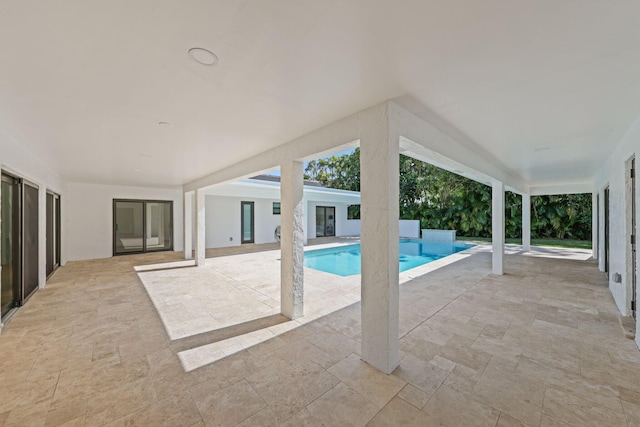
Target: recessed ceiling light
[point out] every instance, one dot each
(539, 149)
(137, 170)
(164, 124)
(203, 56)
(145, 155)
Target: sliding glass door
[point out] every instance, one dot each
(325, 221)
(53, 232)
(247, 222)
(158, 232)
(20, 250)
(128, 227)
(31, 250)
(10, 250)
(142, 226)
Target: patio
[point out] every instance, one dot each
(541, 345)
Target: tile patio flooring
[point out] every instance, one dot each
(540, 346)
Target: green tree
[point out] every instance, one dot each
(443, 200)
(341, 172)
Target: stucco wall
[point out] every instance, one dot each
(267, 221)
(351, 227)
(89, 216)
(344, 227)
(409, 228)
(223, 220)
(19, 162)
(612, 174)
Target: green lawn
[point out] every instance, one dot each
(560, 243)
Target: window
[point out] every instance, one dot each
(353, 212)
(276, 208)
(142, 226)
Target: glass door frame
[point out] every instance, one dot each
(16, 248)
(606, 230)
(144, 226)
(33, 260)
(23, 290)
(252, 239)
(325, 213)
(55, 222)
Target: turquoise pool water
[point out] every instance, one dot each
(345, 260)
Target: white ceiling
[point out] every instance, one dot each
(85, 83)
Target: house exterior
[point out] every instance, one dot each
(325, 212)
(135, 115)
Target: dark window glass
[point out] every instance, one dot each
(142, 226)
(353, 212)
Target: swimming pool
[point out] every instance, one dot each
(345, 260)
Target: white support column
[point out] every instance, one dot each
(594, 224)
(305, 216)
(379, 178)
(188, 225)
(291, 240)
(200, 227)
(526, 222)
(497, 226)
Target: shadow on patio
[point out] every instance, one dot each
(541, 345)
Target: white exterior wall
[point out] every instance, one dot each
(612, 174)
(352, 227)
(266, 221)
(19, 162)
(409, 228)
(311, 220)
(439, 236)
(344, 227)
(88, 217)
(223, 220)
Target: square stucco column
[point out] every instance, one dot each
(200, 227)
(379, 190)
(305, 217)
(497, 226)
(291, 240)
(188, 225)
(526, 222)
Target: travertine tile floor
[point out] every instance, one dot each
(538, 346)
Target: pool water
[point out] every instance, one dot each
(345, 260)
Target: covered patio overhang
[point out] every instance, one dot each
(382, 132)
(268, 187)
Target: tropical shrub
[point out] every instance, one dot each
(443, 200)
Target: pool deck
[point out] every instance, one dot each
(102, 345)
